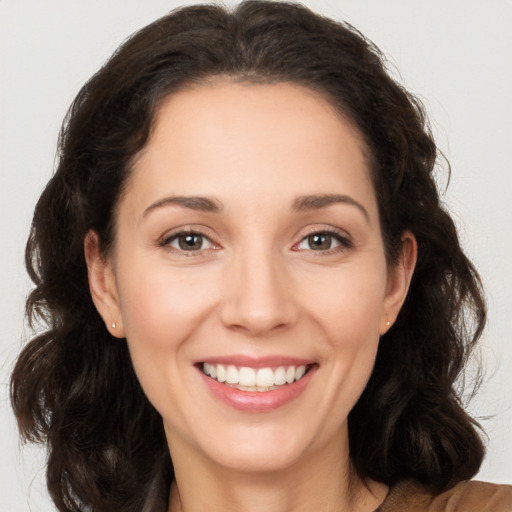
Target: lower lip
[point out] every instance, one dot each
(256, 401)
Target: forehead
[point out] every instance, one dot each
(224, 105)
(227, 135)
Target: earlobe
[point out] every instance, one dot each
(399, 281)
(102, 285)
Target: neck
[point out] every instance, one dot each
(323, 481)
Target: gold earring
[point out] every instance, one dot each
(113, 325)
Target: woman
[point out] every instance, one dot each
(250, 286)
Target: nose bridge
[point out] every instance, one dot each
(258, 291)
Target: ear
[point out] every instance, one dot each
(399, 279)
(102, 285)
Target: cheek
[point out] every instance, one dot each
(354, 335)
(349, 317)
(349, 303)
(161, 307)
(160, 303)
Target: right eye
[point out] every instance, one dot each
(188, 241)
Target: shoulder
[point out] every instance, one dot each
(467, 496)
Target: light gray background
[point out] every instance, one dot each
(456, 55)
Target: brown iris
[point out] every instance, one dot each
(190, 242)
(320, 241)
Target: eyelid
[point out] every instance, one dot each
(344, 239)
(166, 239)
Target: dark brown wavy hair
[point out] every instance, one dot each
(73, 387)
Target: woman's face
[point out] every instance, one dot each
(248, 247)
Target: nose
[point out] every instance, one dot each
(258, 294)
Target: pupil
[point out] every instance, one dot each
(190, 242)
(320, 241)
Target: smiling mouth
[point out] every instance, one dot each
(251, 379)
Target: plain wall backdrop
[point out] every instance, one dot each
(455, 55)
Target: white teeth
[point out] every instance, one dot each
(264, 377)
(280, 376)
(231, 375)
(249, 379)
(246, 377)
(211, 370)
(221, 373)
(299, 372)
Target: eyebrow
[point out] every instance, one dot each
(318, 201)
(301, 203)
(198, 203)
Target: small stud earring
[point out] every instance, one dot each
(113, 325)
(388, 323)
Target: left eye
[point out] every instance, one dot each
(320, 242)
(189, 242)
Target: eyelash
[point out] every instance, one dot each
(167, 240)
(344, 242)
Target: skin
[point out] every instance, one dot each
(256, 286)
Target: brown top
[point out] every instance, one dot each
(464, 497)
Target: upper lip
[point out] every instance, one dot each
(241, 360)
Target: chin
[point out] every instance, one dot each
(262, 460)
(255, 450)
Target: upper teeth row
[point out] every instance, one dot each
(263, 377)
